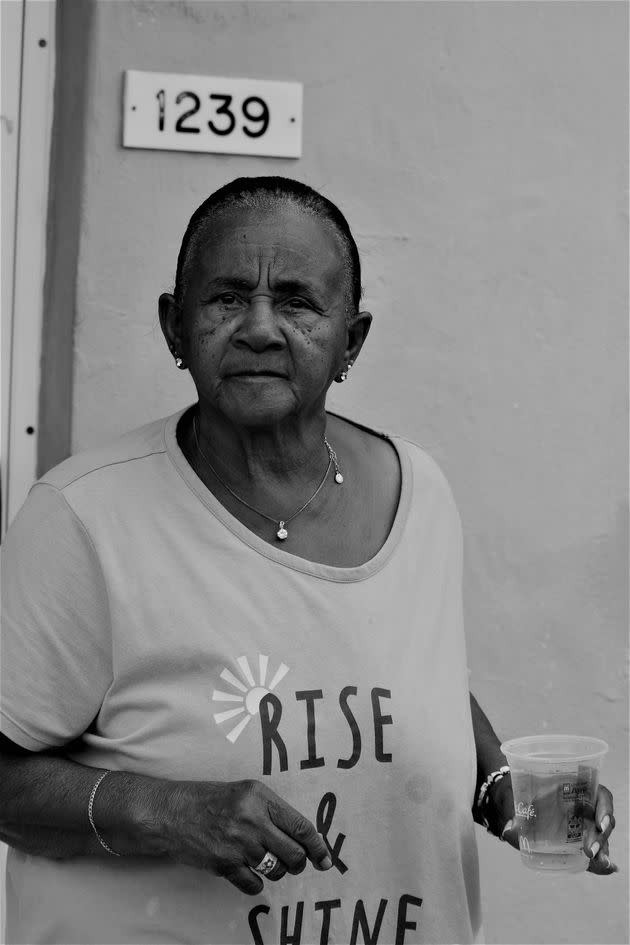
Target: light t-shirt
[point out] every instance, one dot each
(143, 619)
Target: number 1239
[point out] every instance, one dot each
(220, 115)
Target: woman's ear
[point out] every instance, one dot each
(358, 328)
(171, 322)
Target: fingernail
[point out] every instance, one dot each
(605, 824)
(507, 827)
(595, 849)
(326, 863)
(605, 861)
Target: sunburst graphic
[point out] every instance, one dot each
(248, 693)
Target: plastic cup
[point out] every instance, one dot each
(555, 780)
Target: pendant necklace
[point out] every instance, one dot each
(282, 533)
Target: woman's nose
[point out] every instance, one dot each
(259, 328)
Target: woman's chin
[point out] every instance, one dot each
(258, 411)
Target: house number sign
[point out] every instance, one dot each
(171, 112)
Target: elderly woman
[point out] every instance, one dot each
(234, 660)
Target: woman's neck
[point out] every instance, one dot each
(288, 456)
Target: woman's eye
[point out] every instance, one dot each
(298, 303)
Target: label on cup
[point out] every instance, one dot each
(525, 810)
(578, 796)
(574, 829)
(552, 807)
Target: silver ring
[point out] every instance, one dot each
(267, 864)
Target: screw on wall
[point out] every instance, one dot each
(30, 430)
(42, 43)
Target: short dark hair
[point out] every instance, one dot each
(255, 192)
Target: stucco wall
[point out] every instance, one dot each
(478, 150)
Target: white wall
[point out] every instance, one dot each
(479, 152)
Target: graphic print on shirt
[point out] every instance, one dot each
(251, 693)
(391, 920)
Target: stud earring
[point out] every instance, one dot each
(180, 363)
(343, 375)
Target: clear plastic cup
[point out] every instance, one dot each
(555, 780)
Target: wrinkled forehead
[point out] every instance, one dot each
(278, 240)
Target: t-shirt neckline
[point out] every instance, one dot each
(284, 558)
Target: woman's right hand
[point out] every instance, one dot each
(228, 827)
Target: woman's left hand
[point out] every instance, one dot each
(596, 835)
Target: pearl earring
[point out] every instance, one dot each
(343, 375)
(179, 363)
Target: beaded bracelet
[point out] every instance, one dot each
(91, 817)
(483, 790)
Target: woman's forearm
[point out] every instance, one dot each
(487, 743)
(219, 826)
(44, 808)
(499, 805)
(490, 758)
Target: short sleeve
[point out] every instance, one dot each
(55, 657)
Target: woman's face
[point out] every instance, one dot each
(263, 327)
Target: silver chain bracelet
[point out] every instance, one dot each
(91, 817)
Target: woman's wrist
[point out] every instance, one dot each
(497, 808)
(131, 812)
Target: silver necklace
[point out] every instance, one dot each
(282, 533)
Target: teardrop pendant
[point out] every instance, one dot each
(338, 478)
(282, 533)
